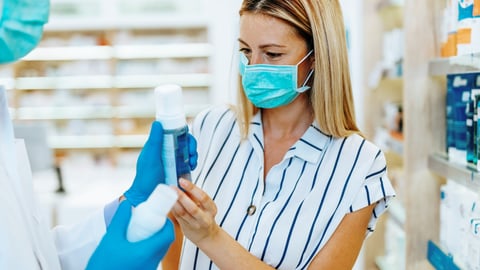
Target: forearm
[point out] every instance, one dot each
(227, 253)
(171, 261)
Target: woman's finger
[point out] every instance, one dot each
(199, 196)
(182, 215)
(192, 208)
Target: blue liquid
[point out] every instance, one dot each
(175, 155)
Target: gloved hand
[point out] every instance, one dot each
(116, 252)
(150, 171)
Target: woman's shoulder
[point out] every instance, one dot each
(214, 116)
(356, 141)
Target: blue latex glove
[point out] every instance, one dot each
(116, 252)
(192, 152)
(150, 170)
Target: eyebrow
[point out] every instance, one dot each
(265, 45)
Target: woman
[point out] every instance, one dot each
(285, 180)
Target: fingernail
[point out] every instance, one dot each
(184, 182)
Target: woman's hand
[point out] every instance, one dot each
(195, 212)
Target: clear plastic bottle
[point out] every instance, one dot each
(170, 113)
(150, 216)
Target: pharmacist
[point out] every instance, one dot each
(25, 240)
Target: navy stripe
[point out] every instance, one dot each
(258, 140)
(237, 189)
(283, 208)
(287, 244)
(204, 119)
(317, 129)
(321, 203)
(219, 152)
(368, 196)
(246, 216)
(198, 177)
(383, 188)
(376, 173)
(196, 258)
(320, 163)
(378, 154)
(265, 206)
(210, 142)
(340, 199)
(310, 144)
(225, 173)
(290, 234)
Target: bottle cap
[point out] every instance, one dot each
(169, 106)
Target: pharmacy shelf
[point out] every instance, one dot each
(107, 81)
(453, 65)
(185, 50)
(81, 142)
(121, 52)
(96, 141)
(63, 113)
(150, 81)
(162, 21)
(136, 45)
(70, 53)
(93, 112)
(64, 82)
(439, 164)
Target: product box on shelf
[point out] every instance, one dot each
(458, 96)
(460, 28)
(468, 27)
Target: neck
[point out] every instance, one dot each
(288, 121)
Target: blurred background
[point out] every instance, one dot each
(83, 102)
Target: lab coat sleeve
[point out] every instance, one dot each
(75, 244)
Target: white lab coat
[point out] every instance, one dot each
(25, 240)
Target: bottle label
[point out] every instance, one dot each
(175, 155)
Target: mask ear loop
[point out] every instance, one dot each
(305, 57)
(304, 86)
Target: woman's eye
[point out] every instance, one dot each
(273, 55)
(244, 51)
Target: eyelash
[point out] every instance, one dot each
(270, 55)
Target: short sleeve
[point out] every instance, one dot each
(377, 189)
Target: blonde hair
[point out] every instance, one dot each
(320, 23)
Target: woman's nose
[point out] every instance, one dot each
(255, 58)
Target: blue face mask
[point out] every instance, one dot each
(271, 86)
(21, 25)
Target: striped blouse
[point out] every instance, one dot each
(288, 217)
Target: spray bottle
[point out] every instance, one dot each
(169, 112)
(150, 216)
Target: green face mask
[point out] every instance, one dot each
(271, 86)
(21, 27)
